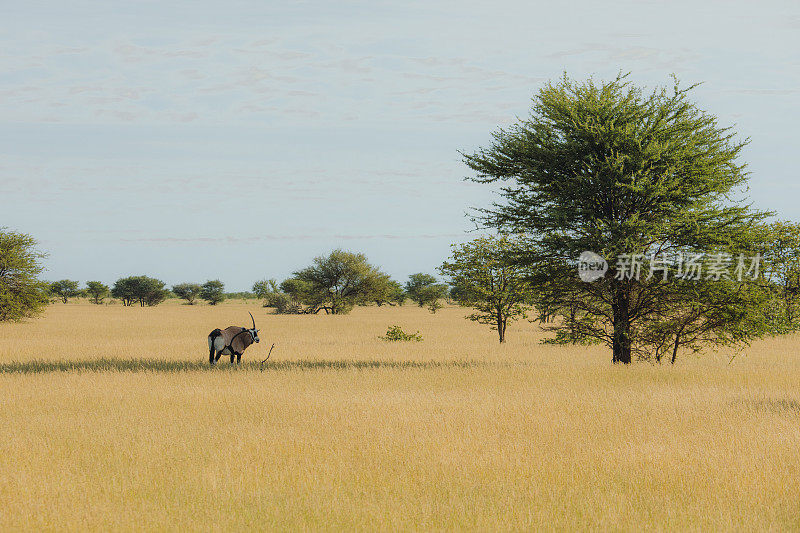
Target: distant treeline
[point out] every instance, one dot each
(334, 283)
(143, 290)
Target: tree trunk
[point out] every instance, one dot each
(675, 347)
(501, 327)
(621, 344)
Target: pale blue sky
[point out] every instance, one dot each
(196, 140)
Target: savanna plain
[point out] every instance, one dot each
(112, 420)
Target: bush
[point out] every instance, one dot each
(396, 333)
(283, 304)
(434, 306)
(241, 295)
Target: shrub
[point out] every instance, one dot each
(396, 333)
(283, 304)
(435, 306)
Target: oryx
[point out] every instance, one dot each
(232, 341)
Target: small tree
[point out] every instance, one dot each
(145, 290)
(97, 290)
(488, 280)
(779, 245)
(391, 294)
(154, 292)
(187, 291)
(423, 289)
(65, 289)
(264, 288)
(22, 294)
(337, 282)
(124, 289)
(213, 291)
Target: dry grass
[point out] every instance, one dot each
(343, 433)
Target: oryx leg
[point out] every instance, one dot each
(219, 354)
(232, 356)
(238, 359)
(211, 356)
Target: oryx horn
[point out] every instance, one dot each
(253, 319)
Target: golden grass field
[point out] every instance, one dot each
(474, 436)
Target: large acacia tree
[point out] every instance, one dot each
(606, 167)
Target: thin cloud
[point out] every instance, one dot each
(653, 57)
(300, 237)
(764, 92)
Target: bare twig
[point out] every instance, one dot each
(265, 360)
